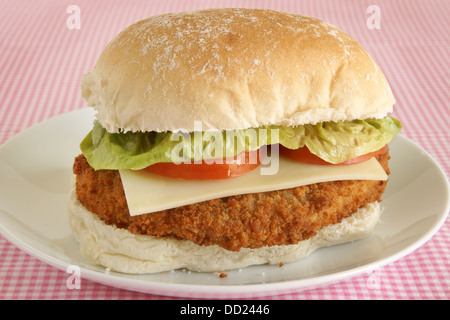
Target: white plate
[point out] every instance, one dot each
(35, 176)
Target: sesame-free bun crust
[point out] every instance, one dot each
(233, 69)
(119, 250)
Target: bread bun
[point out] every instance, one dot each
(119, 250)
(233, 69)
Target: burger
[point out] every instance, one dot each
(225, 138)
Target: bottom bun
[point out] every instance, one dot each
(119, 250)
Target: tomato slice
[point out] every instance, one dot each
(304, 155)
(234, 167)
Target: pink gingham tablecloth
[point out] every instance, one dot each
(42, 60)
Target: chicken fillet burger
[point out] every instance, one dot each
(226, 138)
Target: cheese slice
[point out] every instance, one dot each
(147, 192)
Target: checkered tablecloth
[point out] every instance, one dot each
(42, 59)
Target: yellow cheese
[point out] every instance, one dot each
(146, 192)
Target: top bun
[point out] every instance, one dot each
(233, 69)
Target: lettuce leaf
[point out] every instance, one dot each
(334, 142)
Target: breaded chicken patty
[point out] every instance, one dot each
(243, 221)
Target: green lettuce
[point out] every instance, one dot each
(334, 142)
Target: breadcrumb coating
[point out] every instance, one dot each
(254, 220)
